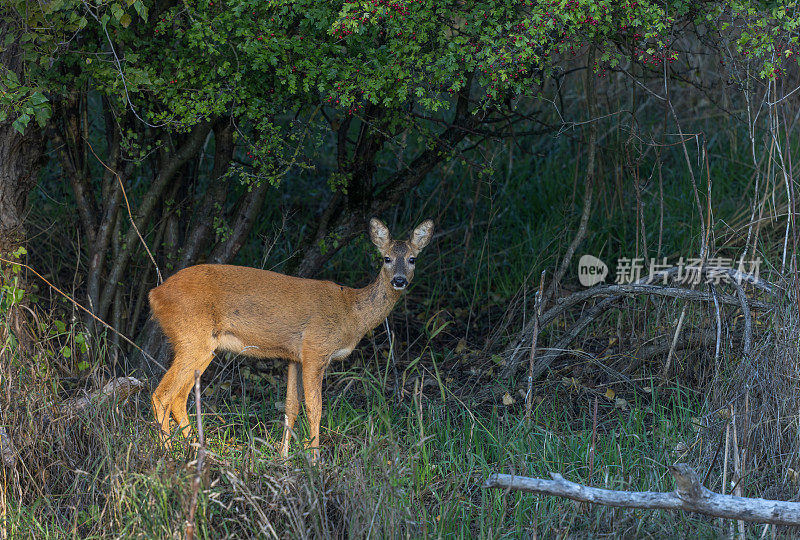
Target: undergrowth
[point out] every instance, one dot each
(392, 469)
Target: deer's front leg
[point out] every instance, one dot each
(312, 388)
(292, 406)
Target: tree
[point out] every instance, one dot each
(139, 90)
(21, 157)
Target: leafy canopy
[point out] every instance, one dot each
(175, 64)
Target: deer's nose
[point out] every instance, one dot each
(399, 282)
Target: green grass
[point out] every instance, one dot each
(413, 468)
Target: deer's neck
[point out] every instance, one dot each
(374, 302)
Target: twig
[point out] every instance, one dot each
(537, 313)
(689, 495)
(717, 363)
(737, 465)
(119, 69)
(589, 184)
(725, 458)
(594, 441)
(748, 321)
(672, 348)
(716, 455)
(201, 454)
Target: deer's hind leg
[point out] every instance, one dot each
(178, 405)
(173, 390)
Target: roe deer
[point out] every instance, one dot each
(264, 314)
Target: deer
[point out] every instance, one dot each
(208, 308)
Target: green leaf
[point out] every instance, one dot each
(21, 123)
(37, 98)
(141, 9)
(116, 11)
(66, 352)
(125, 20)
(42, 115)
(83, 365)
(60, 326)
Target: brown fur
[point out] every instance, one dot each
(264, 314)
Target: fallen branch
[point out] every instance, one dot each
(118, 389)
(554, 352)
(689, 495)
(643, 286)
(689, 338)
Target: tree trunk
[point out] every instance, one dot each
(20, 161)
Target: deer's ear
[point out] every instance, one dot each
(422, 234)
(379, 234)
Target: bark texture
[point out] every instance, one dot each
(20, 161)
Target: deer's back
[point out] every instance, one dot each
(268, 313)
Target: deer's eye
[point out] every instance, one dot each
(387, 260)
(412, 260)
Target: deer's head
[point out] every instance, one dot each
(399, 256)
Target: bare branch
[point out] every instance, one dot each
(554, 352)
(335, 223)
(146, 207)
(689, 495)
(214, 197)
(588, 183)
(615, 292)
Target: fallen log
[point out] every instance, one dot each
(689, 495)
(117, 389)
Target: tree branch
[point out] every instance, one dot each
(514, 353)
(398, 184)
(214, 197)
(171, 165)
(345, 226)
(689, 495)
(246, 214)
